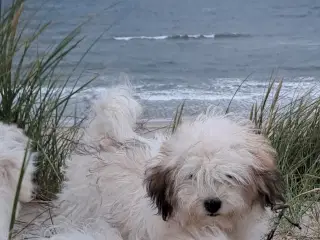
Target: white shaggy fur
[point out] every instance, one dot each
(13, 146)
(161, 188)
(92, 230)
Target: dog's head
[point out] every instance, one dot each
(213, 168)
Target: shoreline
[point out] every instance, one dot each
(148, 127)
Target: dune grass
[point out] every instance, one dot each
(294, 131)
(33, 96)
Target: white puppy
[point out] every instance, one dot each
(212, 179)
(13, 151)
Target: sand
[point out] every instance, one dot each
(148, 127)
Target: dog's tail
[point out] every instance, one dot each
(114, 115)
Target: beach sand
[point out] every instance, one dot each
(149, 127)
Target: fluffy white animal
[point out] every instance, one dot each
(213, 178)
(13, 151)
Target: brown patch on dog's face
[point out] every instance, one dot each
(159, 183)
(266, 156)
(268, 185)
(267, 188)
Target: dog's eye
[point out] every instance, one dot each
(229, 176)
(190, 176)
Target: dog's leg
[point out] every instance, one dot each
(96, 230)
(70, 236)
(204, 236)
(13, 144)
(6, 200)
(80, 236)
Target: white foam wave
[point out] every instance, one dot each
(140, 37)
(87, 96)
(190, 94)
(182, 36)
(221, 89)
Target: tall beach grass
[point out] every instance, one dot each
(294, 131)
(33, 96)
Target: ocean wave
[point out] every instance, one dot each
(302, 15)
(302, 68)
(184, 37)
(217, 90)
(220, 90)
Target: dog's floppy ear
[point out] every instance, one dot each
(159, 183)
(270, 187)
(267, 179)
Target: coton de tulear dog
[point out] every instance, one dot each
(13, 152)
(214, 178)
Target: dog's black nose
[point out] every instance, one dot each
(212, 205)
